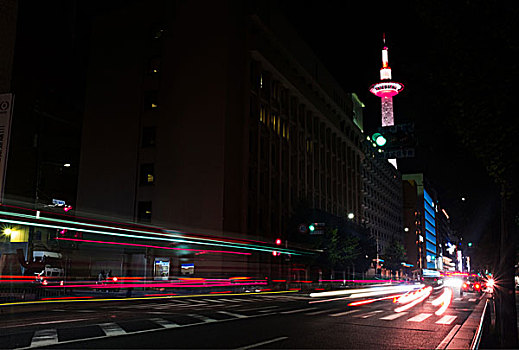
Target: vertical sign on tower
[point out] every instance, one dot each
(6, 110)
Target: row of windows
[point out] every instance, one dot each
(150, 103)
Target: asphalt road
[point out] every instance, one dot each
(232, 322)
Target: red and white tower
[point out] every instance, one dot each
(386, 89)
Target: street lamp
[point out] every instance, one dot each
(351, 216)
(406, 229)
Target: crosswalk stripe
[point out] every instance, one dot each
(317, 312)
(446, 319)
(368, 314)
(202, 318)
(419, 318)
(472, 299)
(164, 323)
(212, 300)
(298, 310)
(393, 316)
(44, 337)
(111, 329)
(458, 299)
(344, 313)
(197, 301)
(232, 314)
(231, 300)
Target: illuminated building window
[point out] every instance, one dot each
(151, 100)
(147, 174)
(148, 136)
(154, 66)
(144, 211)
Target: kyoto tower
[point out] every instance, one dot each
(386, 89)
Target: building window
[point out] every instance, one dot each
(154, 66)
(144, 211)
(147, 175)
(148, 136)
(151, 100)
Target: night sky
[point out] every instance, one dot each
(348, 40)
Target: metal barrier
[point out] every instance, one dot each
(477, 337)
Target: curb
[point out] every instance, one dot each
(465, 335)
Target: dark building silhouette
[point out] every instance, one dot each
(221, 119)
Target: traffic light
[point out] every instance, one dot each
(470, 244)
(311, 227)
(379, 139)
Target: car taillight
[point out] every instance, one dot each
(477, 286)
(114, 279)
(464, 285)
(44, 282)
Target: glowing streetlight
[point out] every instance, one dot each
(406, 229)
(351, 216)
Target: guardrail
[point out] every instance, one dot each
(477, 336)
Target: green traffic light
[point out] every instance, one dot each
(470, 244)
(311, 228)
(379, 139)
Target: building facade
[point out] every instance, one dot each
(220, 121)
(420, 219)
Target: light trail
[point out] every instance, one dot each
(424, 293)
(445, 300)
(381, 290)
(369, 301)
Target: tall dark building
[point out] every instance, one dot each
(221, 120)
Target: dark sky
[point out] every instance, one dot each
(347, 38)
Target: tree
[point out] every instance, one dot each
(340, 250)
(394, 255)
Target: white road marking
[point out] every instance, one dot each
(232, 300)
(262, 343)
(472, 299)
(198, 301)
(164, 323)
(446, 319)
(369, 314)
(344, 313)
(202, 318)
(297, 310)
(459, 299)
(233, 314)
(44, 337)
(258, 308)
(111, 329)
(393, 316)
(212, 300)
(449, 337)
(317, 312)
(419, 318)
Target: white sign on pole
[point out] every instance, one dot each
(6, 111)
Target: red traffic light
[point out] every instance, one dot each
(278, 241)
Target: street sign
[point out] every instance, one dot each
(58, 202)
(397, 153)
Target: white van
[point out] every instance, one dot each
(53, 263)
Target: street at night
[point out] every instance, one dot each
(270, 174)
(288, 321)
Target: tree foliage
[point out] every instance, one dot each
(394, 255)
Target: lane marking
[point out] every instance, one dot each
(459, 299)
(297, 310)
(318, 312)
(48, 322)
(202, 318)
(344, 313)
(446, 319)
(258, 308)
(449, 337)
(44, 337)
(112, 329)
(262, 343)
(394, 316)
(472, 299)
(164, 323)
(419, 318)
(231, 300)
(232, 314)
(369, 314)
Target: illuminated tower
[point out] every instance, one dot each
(386, 89)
